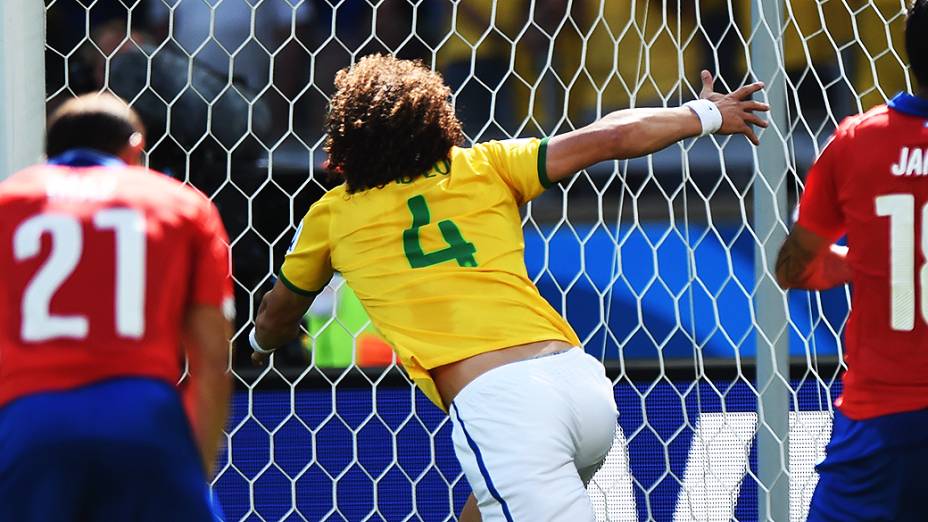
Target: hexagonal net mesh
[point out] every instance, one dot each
(661, 264)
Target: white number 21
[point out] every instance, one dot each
(901, 211)
(38, 324)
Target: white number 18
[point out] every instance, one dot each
(900, 208)
(38, 324)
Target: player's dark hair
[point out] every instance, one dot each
(916, 41)
(389, 119)
(100, 122)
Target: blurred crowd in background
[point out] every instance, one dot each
(530, 64)
(234, 92)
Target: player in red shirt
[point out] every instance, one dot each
(871, 184)
(108, 269)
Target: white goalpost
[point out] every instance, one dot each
(22, 77)
(663, 264)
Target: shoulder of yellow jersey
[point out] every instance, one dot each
(519, 163)
(334, 193)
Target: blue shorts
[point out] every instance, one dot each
(874, 469)
(115, 450)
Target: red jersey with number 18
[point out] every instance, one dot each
(871, 183)
(99, 265)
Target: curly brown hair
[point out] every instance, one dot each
(389, 119)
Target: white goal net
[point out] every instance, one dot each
(662, 263)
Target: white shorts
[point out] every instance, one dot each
(531, 434)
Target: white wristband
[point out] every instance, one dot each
(708, 113)
(253, 341)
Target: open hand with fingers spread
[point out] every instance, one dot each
(738, 109)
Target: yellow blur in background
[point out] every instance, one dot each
(601, 56)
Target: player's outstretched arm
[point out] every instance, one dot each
(636, 132)
(206, 339)
(278, 320)
(807, 260)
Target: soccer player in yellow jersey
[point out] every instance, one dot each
(428, 235)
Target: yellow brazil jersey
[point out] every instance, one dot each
(437, 260)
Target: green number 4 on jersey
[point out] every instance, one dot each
(457, 250)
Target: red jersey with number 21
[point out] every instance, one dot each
(871, 183)
(99, 265)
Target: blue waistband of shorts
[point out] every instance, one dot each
(852, 439)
